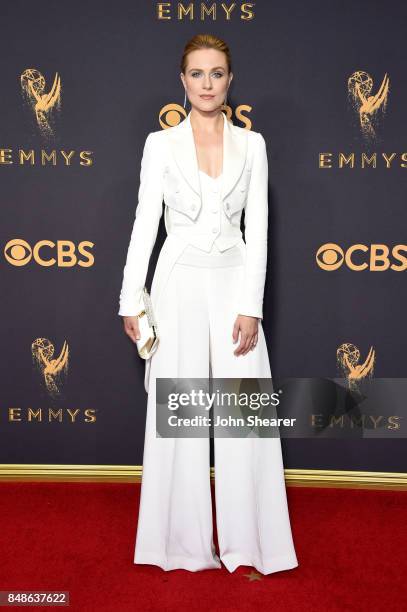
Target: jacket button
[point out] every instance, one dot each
(193, 207)
(227, 205)
(214, 230)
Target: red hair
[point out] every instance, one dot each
(205, 41)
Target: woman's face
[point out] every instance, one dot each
(206, 74)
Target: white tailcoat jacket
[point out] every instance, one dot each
(170, 173)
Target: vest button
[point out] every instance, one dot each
(214, 230)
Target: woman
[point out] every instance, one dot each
(207, 295)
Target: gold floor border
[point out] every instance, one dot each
(133, 473)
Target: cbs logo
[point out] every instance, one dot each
(172, 114)
(62, 253)
(358, 257)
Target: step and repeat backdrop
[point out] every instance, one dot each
(83, 83)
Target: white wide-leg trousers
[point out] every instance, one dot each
(175, 515)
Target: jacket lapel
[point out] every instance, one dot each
(234, 154)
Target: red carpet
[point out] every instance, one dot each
(79, 537)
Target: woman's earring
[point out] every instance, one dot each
(185, 99)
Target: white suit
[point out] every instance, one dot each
(195, 309)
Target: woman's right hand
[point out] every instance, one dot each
(131, 328)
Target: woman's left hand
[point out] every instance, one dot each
(248, 327)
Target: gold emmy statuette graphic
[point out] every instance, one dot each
(348, 356)
(42, 351)
(360, 85)
(43, 103)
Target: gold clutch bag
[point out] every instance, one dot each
(148, 341)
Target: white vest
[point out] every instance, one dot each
(212, 225)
